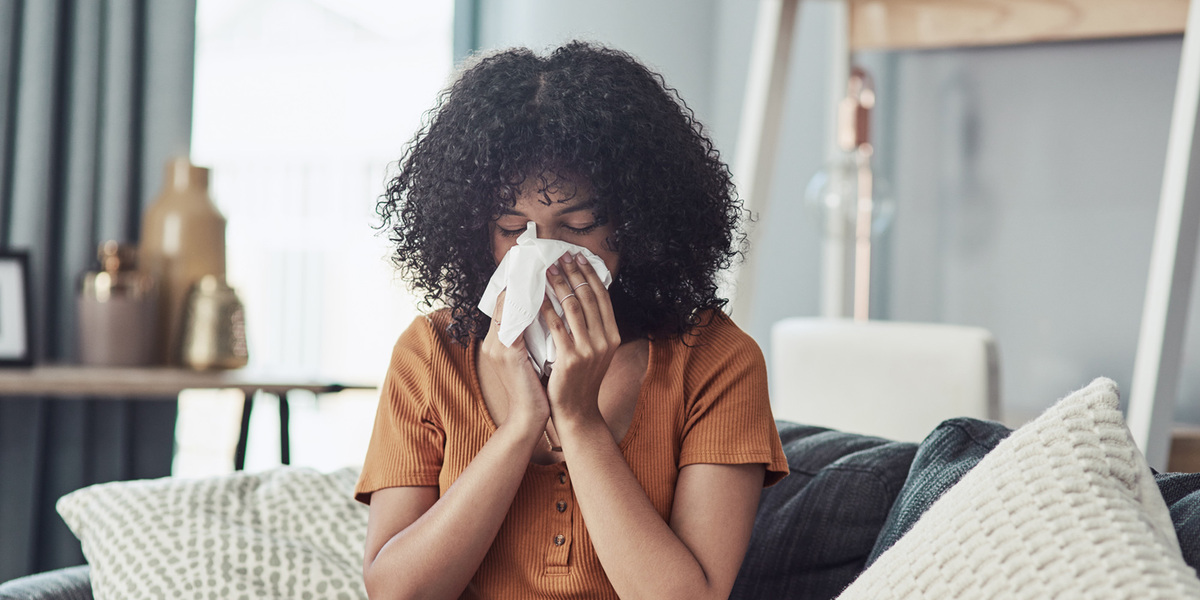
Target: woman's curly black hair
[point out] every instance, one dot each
(584, 111)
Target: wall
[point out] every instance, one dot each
(671, 36)
(1026, 178)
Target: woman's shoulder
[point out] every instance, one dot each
(715, 332)
(715, 344)
(427, 335)
(718, 363)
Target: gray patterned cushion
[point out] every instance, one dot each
(1181, 491)
(950, 452)
(285, 533)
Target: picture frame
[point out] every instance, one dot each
(15, 317)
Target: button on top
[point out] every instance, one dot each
(562, 477)
(560, 539)
(561, 506)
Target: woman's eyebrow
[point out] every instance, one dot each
(589, 205)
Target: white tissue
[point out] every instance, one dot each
(523, 273)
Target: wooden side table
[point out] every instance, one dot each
(150, 383)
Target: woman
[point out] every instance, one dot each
(633, 470)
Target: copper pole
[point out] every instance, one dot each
(854, 136)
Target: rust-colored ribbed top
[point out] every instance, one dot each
(703, 402)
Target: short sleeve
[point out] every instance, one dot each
(728, 418)
(408, 441)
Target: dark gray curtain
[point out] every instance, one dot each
(95, 96)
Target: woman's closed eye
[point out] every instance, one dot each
(586, 229)
(577, 230)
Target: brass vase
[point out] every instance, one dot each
(214, 327)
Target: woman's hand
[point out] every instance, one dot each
(426, 543)
(526, 403)
(584, 353)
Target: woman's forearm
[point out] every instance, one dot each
(642, 556)
(437, 554)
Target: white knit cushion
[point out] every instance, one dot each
(285, 533)
(1065, 507)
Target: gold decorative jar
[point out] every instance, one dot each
(214, 327)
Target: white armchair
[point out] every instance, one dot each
(888, 379)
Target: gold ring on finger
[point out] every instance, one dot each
(578, 286)
(564, 298)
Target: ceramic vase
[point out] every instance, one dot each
(183, 240)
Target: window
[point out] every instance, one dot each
(299, 107)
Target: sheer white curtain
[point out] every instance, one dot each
(300, 106)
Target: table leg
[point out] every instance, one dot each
(239, 453)
(285, 444)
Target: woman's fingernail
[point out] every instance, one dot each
(553, 269)
(581, 259)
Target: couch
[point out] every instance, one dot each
(1063, 507)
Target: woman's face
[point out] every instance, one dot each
(569, 217)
